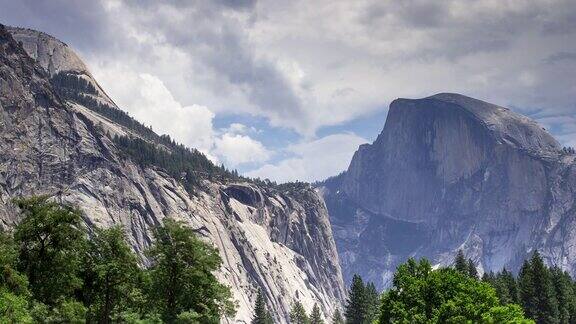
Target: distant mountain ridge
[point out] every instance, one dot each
(59, 134)
(450, 172)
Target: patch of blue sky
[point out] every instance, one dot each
(367, 126)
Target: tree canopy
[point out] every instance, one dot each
(261, 313)
(422, 295)
(298, 314)
(54, 270)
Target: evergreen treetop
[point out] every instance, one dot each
(261, 314)
(298, 314)
(316, 316)
(460, 262)
(337, 317)
(357, 306)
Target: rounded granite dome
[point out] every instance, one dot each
(507, 126)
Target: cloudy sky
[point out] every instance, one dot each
(288, 89)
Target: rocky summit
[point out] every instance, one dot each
(449, 172)
(61, 136)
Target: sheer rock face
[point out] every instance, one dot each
(450, 172)
(51, 144)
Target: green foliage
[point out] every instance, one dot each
(182, 278)
(261, 313)
(187, 165)
(298, 314)
(51, 272)
(337, 317)
(51, 242)
(460, 263)
(465, 266)
(547, 295)
(506, 287)
(363, 302)
(357, 306)
(110, 275)
(422, 295)
(507, 314)
(316, 316)
(372, 302)
(13, 308)
(472, 272)
(73, 87)
(131, 317)
(565, 295)
(10, 279)
(537, 291)
(188, 317)
(65, 311)
(68, 311)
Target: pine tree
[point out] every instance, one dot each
(298, 314)
(472, 272)
(372, 302)
(316, 316)
(537, 291)
(502, 289)
(565, 296)
(357, 306)
(261, 314)
(489, 277)
(337, 317)
(547, 304)
(527, 290)
(269, 319)
(460, 263)
(512, 286)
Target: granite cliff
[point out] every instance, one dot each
(450, 172)
(57, 138)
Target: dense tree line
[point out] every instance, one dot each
(363, 302)
(75, 87)
(547, 294)
(53, 270)
(188, 166)
(421, 294)
(447, 295)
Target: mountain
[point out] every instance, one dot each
(450, 172)
(62, 136)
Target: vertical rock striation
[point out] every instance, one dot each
(450, 172)
(56, 131)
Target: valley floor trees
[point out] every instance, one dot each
(422, 295)
(51, 270)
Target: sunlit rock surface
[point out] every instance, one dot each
(54, 142)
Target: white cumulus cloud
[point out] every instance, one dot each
(148, 100)
(238, 149)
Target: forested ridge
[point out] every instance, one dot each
(145, 147)
(189, 166)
